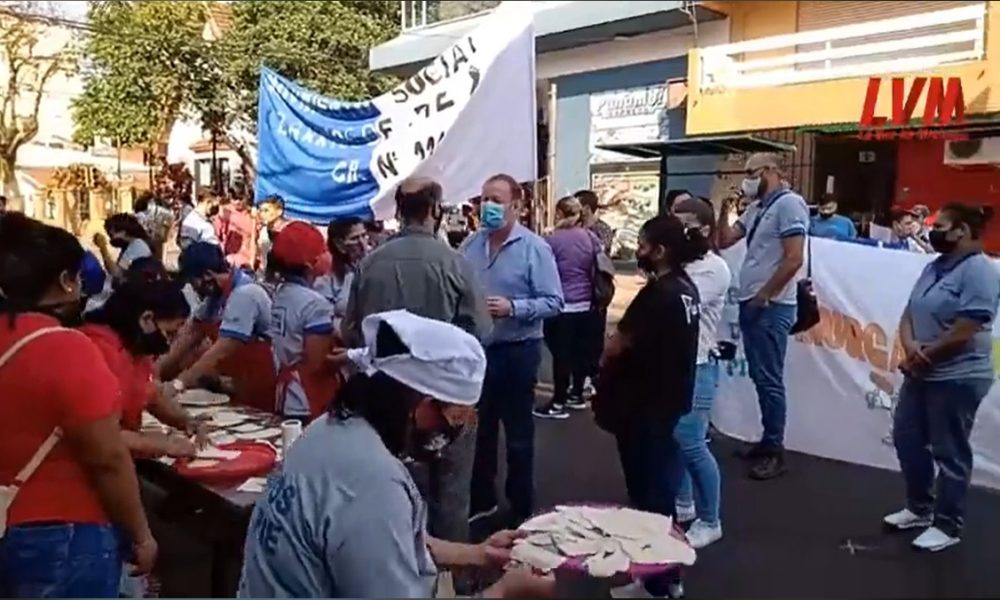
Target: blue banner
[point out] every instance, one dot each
(315, 152)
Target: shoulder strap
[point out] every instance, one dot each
(56, 435)
(760, 215)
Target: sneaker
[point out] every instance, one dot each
(576, 403)
(702, 534)
(588, 388)
(685, 513)
(934, 540)
(484, 514)
(907, 519)
(768, 467)
(551, 411)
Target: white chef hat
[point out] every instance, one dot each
(443, 361)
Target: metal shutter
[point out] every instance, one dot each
(820, 15)
(813, 15)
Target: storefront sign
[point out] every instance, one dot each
(635, 115)
(944, 106)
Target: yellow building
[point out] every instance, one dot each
(805, 68)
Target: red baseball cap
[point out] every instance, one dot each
(299, 245)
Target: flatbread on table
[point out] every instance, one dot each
(263, 434)
(607, 564)
(202, 398)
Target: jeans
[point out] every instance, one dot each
(650, 463)
(66, 560)
(765, 341)
(697, 463)
(508, 397)
(931, 426)
(449, 480)
(570, 338)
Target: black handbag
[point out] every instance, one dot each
(807, 304)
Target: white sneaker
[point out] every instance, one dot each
(934, 540)
(907, 519)
(702, 534)
(685, 513)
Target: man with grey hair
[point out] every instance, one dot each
(415, 271)
(775, 226)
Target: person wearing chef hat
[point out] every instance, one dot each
(343, 517)
(301, 324)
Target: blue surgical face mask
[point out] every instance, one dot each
(493, 215)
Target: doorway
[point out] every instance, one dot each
(859, 174)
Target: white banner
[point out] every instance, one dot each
(842, 377)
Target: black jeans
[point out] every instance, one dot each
(651, 463)
(508, 397)
(569, 337)
(598, 333)
(931, 426)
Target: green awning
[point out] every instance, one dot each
(719, 145)
(986, 122)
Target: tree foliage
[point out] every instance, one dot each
(148, 64)
(321, 45)
(30, 61)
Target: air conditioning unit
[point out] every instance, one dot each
(980, 151)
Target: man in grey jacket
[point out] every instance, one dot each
(414, 270)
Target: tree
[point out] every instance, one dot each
(32, 55)
(321, 45)
(147, 65)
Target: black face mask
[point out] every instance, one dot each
(69, 314)
(940, 242)
(118, 243)
(645, 264)
(154, 343)
(825, 216)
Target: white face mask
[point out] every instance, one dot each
(750, 187)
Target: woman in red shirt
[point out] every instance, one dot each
(65, 518)
(131, 328)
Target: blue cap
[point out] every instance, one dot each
(201, 258)
(92, 274)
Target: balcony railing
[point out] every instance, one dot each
(896, 45)
(421, 13)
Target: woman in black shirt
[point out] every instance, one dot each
(648, 369)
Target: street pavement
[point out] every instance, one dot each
(815, 533)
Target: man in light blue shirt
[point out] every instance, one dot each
(828, 224)
(522, 289)
(775, 227)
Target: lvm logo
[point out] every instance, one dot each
(944, 105)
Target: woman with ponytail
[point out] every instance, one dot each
(648, 372)
(570, 334)
(69, 492)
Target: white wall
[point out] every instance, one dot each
(640, 49)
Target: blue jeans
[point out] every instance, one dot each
(697, 463)
(68, 560)
(508, 397)
(651, 465)
(765, 341)
(931, 426)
